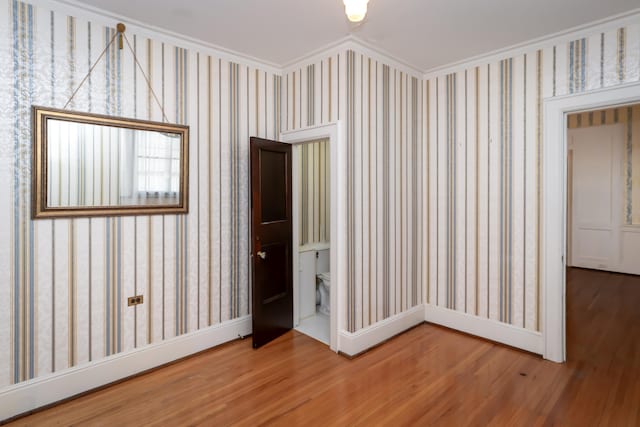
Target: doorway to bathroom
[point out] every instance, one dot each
(311, 165)
(290, 235)
(318, 212)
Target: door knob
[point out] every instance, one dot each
(262, 254)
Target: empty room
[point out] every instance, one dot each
(327, 212)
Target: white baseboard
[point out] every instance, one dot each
(357, 342)
(485, 328)
(45, 390)
(39, 392)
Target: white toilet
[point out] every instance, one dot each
(324, 286)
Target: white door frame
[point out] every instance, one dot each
(554, 205)
(337, 149)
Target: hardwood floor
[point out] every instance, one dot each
(428, 375)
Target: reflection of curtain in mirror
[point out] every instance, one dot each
(127, 162)
(64, 163)
(84, 164)
(88, 167)
(107, 181)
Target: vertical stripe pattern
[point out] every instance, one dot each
(65, 283)
(315, 197)
(505, 110)
(577, 65)
(382, 110)
(21, 228)
(443, 185)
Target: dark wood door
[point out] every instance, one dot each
(272, 284)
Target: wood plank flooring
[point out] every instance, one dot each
(426, 376)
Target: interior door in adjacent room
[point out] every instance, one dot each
(598, 237)
(271, 240)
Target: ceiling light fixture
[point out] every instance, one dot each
(355, 9)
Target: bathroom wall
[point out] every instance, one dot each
(630, 117)
(485, 127)
(64, 283)
(315, 192)
(381, 107)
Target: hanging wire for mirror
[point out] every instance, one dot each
(120, 34)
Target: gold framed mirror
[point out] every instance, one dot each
(94, 165)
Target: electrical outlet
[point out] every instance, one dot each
(138, 299)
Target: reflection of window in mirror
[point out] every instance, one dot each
(157, 170)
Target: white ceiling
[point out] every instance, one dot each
(423, 33)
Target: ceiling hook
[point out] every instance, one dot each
(121, 29)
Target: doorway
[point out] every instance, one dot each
(335, 133)
(312, 214)
(317, 221)
(602, 218)
(555, 221)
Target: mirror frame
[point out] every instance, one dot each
(40, 116)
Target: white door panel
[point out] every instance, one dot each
(630, 254)
(594, 247)
(593, 183)
(307, 284)
(596, 198)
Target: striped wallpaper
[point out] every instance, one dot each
(443, 186)
(64, 283)
(382, 109)
(630, 117)
(315, 192)
(444, 183)
(484, 143)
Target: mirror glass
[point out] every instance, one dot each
(119, 167)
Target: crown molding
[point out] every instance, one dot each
(374, 52)
(601, 25)
(316, 55)
(349, 42)
(358, 45)
(109, 19)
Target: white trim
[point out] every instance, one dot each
(104, 17)
(110, 19)
(366, 338)
(29, 395)
(317, 55)
(565, 36)
(485, 328)
(337, 148)
(357, 45)
(295, 233)
(381, 55)
(554, 203)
